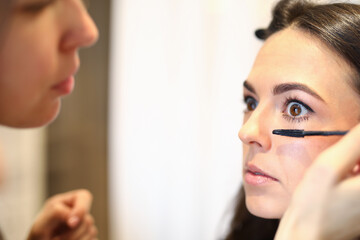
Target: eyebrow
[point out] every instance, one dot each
(249, 87)
(285, 87)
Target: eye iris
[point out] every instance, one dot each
(251, 105)
(295, 110)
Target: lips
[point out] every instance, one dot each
(66, 86)
(255, 176)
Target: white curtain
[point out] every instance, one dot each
(177, 68)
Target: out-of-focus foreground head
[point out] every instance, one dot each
(2, 168)
(39, 45)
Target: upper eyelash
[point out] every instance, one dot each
(246, 97)
(295, 99)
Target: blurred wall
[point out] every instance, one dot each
(77, 139)
(23, 188)
(177, 69)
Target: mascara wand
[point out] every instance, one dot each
(300, 133)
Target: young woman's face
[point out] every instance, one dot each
(295, 83)
(39, 57)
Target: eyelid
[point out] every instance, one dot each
(36, 6)
(247, 97)
(290, 100)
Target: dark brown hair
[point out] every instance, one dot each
(336, 25)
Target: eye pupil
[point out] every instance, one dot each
(251, 105)
(295, 110)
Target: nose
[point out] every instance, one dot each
(80, 30)
(255, 130)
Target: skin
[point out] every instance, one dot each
(2, 168)
(38, 61)
(65, 216)
(39, 51)
(291, 56)
(325, 204)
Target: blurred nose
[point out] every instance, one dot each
(81, 30)
(255, 130)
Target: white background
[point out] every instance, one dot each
(177, 70)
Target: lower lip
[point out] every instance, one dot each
(253, 179)
(65, 87)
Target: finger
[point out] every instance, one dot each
(90, 235)
(350, 185)
(343, 203)
(342, 156)
(81, 205)
(63, 204)
(84, 230)
(56, 212)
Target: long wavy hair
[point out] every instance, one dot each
(337, 26)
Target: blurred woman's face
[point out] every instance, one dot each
(295, 83)
(39, 58)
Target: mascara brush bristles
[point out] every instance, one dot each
(289, 132)
(301, 133)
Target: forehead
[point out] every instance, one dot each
(293, 56)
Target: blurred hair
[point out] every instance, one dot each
(5, 12)
(337, 26)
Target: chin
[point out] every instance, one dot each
(262, 207)
(46, 119)
(36, 119)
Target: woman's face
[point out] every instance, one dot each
(39, 58)
(295, 83)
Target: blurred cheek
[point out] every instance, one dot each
(297, 155)
(245, 150)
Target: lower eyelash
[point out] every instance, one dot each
(295, 119)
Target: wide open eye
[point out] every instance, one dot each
(251, 103)
(295, 110)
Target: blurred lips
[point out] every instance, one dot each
(66, 86)
(256, 176)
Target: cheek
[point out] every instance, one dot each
(28, 52)
(245, 149)
(296, 156)
(26, 77)
(26, 69)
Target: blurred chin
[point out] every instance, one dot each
(264, 208)
(34, 119)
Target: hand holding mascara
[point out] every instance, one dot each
(300, 133)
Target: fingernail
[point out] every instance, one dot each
(73, 221)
